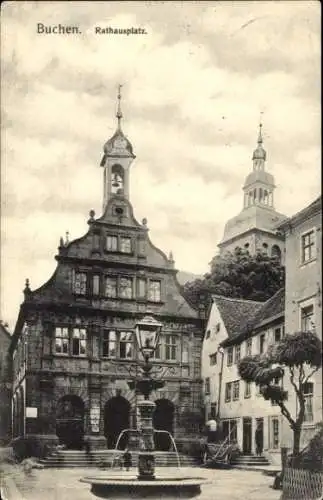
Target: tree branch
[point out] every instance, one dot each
(292, 380)
(286, 414)
(310, 374)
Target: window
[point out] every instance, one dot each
(207, 385)
(126, 345)
(61, 340)
(154, 291)
(171, 347)
(230, 356)
(274, 433)
(80, 283)
(230, 430)
(212, 412)
(112, 243)
(262, 339)
(277, 334)
(236, 390)
(96, 285)
(111, 287)
(158, 351)
(125, 245)
(307, 317)
(308, 390)
(109, 348)
(308, 246)
(141, 288)
(208, 333)
(247, 390)
(249, 347)
(78, 342)
(213, 359)
(237, 354)
(228, 392)
(125, 287)
(217, 327)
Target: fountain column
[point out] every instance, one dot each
(146, 458)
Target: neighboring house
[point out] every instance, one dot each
(74, 340)
(237, 328)
(5, 384)
(303, 237)
(254, 227)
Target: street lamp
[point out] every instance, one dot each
(147, 333)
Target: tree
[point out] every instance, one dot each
(238, 275)
(300, 355)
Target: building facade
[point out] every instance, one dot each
(74, 347)
(303, 237)
(237, 328)
(254, 228)
(5, 384)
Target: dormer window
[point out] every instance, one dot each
(154, 291)
(112, 243)
(79, 284)
(125, 245)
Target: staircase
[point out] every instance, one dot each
(109, 458)
(250, 461)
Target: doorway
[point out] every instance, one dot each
(247, 435)
(116, 419)
(259, 435)
(163, 420)
(70, 421)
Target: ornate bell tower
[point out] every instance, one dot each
(116, 161)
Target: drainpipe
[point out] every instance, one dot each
(221, 351)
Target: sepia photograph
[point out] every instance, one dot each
(161, 250)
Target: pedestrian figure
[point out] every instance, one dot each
(87, 448)
(259, 440)
(127, 459)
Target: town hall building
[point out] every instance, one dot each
(74, 347)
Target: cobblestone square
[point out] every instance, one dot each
(64, 484)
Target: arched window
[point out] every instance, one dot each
(260, 195)
(276, 252)
(117, 178)
(265, 248)
(265, 197)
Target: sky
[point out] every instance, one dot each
(194, 88)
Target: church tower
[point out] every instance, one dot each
(116, 161)
(254, 227)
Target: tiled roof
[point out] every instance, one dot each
(243, 316)
(236, 313)
(305, 212)
(273, 307)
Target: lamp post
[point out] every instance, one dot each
(220, 351)
(147, 333)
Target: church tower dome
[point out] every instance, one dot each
(255, 224)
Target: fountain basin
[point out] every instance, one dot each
(126, 486)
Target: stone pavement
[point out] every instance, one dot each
(64, 484)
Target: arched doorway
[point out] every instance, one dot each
(116, 419)
(70, 421)
(163, 420)
(276, 252)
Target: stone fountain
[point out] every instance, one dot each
(146, 484)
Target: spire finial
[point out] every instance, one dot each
(260, 128)
(119, 112)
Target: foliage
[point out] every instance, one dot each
(300, 355)
(238, 275)
(312, 457)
